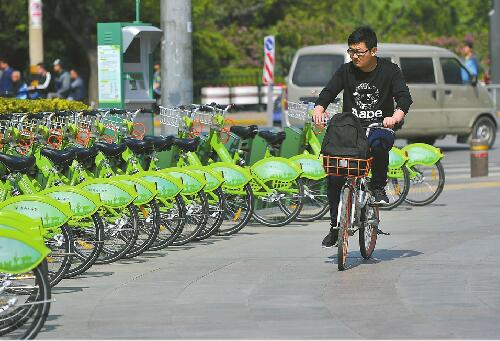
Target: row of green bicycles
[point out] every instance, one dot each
(91, 187)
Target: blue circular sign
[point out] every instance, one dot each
(269, 44)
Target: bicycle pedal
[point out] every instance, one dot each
(379, 231)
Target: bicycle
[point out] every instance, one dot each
(356, 211)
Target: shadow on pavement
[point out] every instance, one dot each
(94, 274)
(66, 290)
(354, 258)
(50, 324)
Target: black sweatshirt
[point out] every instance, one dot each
(368, 95)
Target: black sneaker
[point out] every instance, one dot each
(331, 239)
(380, 197)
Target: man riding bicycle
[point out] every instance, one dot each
(371, 86)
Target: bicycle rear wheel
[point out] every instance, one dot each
(281, 204)
(344, 225)
(60, 242)
(148, 226)
(196, 217)
(426, 184)
(172, 220)
(237, 212)
(315, 200)
(88, 236)
(120, 232)
(368, 232)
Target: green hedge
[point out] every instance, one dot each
(11, 105)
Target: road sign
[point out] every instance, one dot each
(268, 72)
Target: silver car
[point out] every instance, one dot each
(446, 98)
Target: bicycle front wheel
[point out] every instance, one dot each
(344, 225)
(25, 303)
(60, 242)
(196, 217)
(237, 212)
(368, 232)
(426, 184)
(315, 200)
(172, 220)
(281, 204)
(149, 227)
(216, 205)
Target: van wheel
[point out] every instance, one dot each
(425, 139)
(485, 129)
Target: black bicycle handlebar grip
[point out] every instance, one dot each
(62, 113)
(90, 112)
(206, 108)
(399, 125)
(38, 115)
(117, 111)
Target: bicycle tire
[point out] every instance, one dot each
(321, 207)
(87, 258)
(172, 220)
(235, 205)
(410, 197)
(368, 235)
(20, 326)
(64, 247)
(148, 229)
(126, 217)
(344, 225)
(196, 218)
(283, 206)
(398, 189)
(215, 214)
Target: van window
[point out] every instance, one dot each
(418, 70)
(453, 71)
(316, 70)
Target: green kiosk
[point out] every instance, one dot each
(125, 70)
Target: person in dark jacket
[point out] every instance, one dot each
(77, 87)
(6, 78)
(46, 82)
(62, 80)
(19, 87)
(370, 87)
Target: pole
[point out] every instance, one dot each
(35, 33)
(176, 53)
(270, 104)
(495, 46)
(137, 11)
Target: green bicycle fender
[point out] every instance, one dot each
(193, 183)
(423, 154)
(26, 225)
(113, 193)
(146, 191)
(311, 165)
(83, 203)
(276, 168)
(397, 159)
(212, 177)
(19, 253)
(166, 185)
(52, 212)
(235, 177)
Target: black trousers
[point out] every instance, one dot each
(379, 150)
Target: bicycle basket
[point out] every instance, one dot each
(346, 166)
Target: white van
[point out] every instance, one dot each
(446, 99)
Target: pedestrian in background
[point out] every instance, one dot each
(19, 87)
(62, 81)
(471, 62)
(45, 83)
(6, 78)
(77, 87)
(157, 85)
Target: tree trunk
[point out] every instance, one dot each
(92, 85)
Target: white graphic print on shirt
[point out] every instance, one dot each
(366, 97)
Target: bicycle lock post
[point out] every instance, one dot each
(478, 158)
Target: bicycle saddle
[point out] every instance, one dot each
(137, 146)
(188, 145)
(20, 164)
(83, 154)
(110, 149)
(160, 143)
(59, 157)
(273, 138)
(245, 132)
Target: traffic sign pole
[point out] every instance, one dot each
(268, 76)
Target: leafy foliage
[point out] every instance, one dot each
(9, 105)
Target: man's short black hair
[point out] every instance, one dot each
(469, 43)
(363, 34)
(42, 65)
(4, 60)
